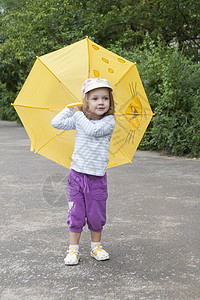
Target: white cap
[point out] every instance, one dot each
(94, 83)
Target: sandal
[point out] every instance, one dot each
(98, 253)
(72, 257)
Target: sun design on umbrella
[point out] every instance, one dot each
(133, 112)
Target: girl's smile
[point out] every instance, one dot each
(99, 102)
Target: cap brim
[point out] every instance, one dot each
(98, 87)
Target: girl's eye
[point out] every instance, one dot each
(94, 98)
(106, 98)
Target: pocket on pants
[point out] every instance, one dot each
(72, 187)
(100, 194)
(72, 190)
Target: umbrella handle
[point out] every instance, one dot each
(74, 104)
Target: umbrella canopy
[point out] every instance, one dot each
(55, 81)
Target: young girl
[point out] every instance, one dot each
(87, 182)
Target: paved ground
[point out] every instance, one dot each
(152, 231)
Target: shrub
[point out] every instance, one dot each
(172, 84)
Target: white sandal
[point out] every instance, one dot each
(98, 253)
(72, 257)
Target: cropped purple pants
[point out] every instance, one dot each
(87, 195)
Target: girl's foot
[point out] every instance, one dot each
(98, 253)
(72, 257)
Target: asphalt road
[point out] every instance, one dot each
(152, 231)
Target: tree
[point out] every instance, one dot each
(36, 28)
(126, 22)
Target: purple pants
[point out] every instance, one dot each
(87, 195)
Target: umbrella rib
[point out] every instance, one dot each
(120, 149)
(37, 107)
(47, 108)
(88, 56)
(58, 79)
(51, 140)
(121, 114)
(124, 75)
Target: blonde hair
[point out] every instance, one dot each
(86, 111)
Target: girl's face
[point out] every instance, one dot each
(99, 102)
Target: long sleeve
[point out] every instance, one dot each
(64, 120)
(92, 140)
(101, 128)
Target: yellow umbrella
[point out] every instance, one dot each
(55, 81)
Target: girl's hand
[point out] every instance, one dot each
(75, 108)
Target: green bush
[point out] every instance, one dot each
(7, 112)
(172, 83)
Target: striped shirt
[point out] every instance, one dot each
(92, 140)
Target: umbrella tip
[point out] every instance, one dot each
(31, 148)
